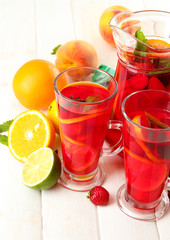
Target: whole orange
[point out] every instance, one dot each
(33, 84)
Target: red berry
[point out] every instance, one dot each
(138, 82)
(99, 196)
(155, 83)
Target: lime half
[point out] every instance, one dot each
(42, 169)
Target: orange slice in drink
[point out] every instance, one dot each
(138, 130)
(158, 43)
(141, 121)
(80, 119)
(144, 174)
(140, 140)
(142, 159)
(81, 156)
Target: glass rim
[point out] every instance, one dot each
(85, 103)
(138, 125)
(158, 50)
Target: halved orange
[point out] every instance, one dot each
(28, 132)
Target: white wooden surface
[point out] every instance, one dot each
(30, 29)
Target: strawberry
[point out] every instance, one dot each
(99, 196)
(155, 83)
(138, 82)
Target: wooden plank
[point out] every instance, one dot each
(54, 26)
(163, 5)
(86, 15)
(68, 215)
(163, 226)
(20, 207)
(17, 39)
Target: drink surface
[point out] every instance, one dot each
(147, 155)
(83, 122)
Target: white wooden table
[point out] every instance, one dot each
(30, 29)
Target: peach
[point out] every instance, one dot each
(76, 53)
(104, 28)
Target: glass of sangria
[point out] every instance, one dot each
(146, 135)
(85, 98)
(143, 47)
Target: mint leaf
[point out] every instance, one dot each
(4, 140)
(139, 35)
(155, 122)
(90, 99)
(93, 98)
(167, 66)
(5, 126)
(55, 49)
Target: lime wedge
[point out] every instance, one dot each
(42, 169)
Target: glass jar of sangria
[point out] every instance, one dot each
(143, 45)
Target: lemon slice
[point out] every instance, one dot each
(42, 169)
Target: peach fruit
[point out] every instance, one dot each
(76, 53)
(104, 28)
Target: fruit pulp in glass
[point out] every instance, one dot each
(135, 73)
(83, 126)
(147, 157)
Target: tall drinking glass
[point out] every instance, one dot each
(85, 101)
(146, 135)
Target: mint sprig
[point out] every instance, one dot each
(4, 140)
(140, 36)
(4, 128)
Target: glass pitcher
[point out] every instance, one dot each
(143, 46)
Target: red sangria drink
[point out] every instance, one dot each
(143, 47)
(83, 127)
(146, 134)
(84, 110)
(146, 159)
